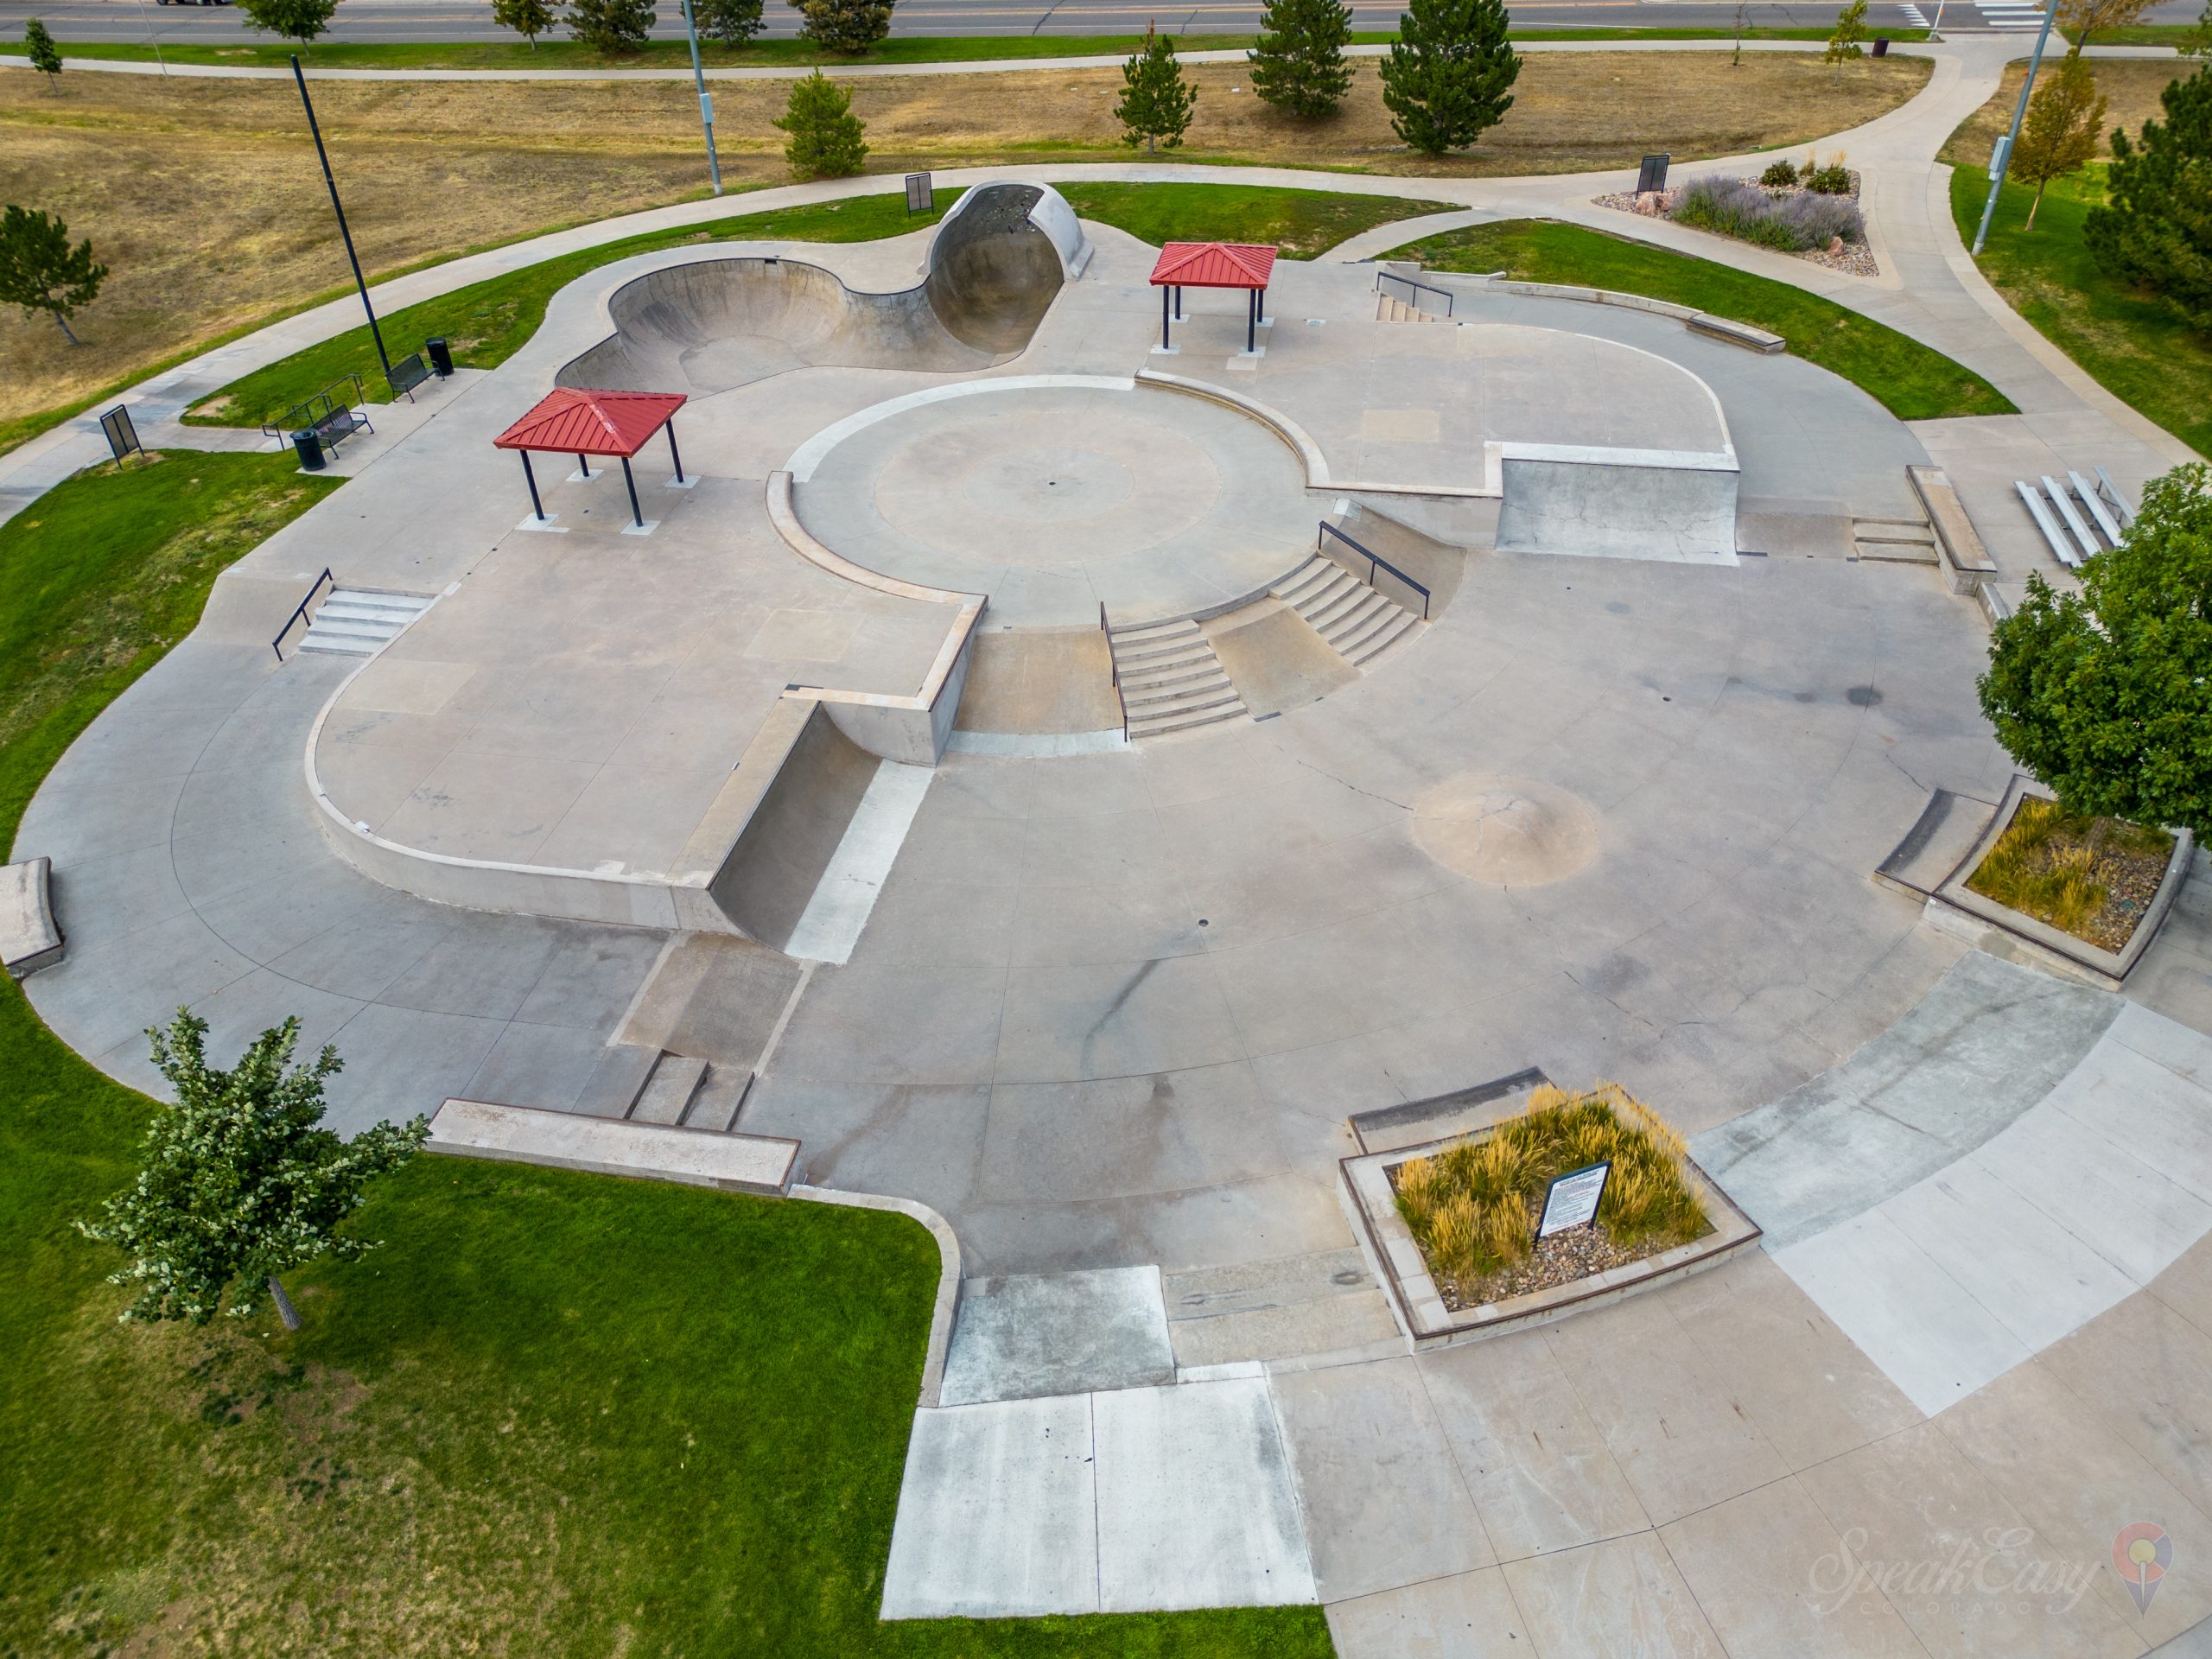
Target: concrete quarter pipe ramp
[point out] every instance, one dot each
(995, 264)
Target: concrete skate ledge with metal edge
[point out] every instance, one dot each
(1967, 568)
(1703, 322)
(949, 1280)
(29, 937)
(1364, 1188)
(1957, 910)
(762, 1164)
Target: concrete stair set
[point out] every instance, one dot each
(1896, 541)
(651, 1085)
(357, 622)
(1388, 309)
(1170, 680)
(1358, 622)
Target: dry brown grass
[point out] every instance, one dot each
(204, 196)
(2131, 87)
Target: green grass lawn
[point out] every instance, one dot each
(556, 1414)
(487, 323)
(2131, 345)
(1909, 379)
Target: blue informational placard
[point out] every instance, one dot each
(1573, 1198)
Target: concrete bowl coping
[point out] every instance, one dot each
(948, 1279)
(1364, 1188)
(1956, 909)
(29, 937)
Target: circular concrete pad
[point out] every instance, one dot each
(1508, 832)
(1054, 499)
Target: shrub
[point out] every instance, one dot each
(826, 140)
(1823, 218)
(1834, 180)
(1731, 207)
(1780, 175)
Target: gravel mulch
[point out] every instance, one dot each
(1857, 259)
(1559, 1260)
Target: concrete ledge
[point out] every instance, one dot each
(948, 1273)
(1966, 563)
(1299, 443)
(782, 512)
(1956, 909)
(1946, 831)
(525, 1134)
(1364, 1188)
(1738, 333)
(1594, 296)
(29, 938)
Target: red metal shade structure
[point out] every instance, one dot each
(584, 423)
(1214, 264)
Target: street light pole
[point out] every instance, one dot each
(2002, 158)
(706, 102)
(337, 207)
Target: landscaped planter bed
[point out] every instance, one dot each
(1822, 225)
(1451, 1222)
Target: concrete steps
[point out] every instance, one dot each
(1325, 1302)
(1170, 680)
(355, 622)
(1896, 541)
(1388, 309)
(1358, 622)
(651, 1085)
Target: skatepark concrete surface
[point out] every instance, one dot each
(812, 798)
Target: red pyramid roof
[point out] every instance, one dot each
(1213, 264)
(574, 422)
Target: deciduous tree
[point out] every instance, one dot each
(528, 18)
(1156, 101)
(2060, 133)
(850, 26)
(1449, 75)
(295, 20)
(826, 139)
(238, 1181)
(1299, 65)
(2079, 19)
(1850, 37)
(39, 271)
(614, 26)
(39, 47)
(2105, 694)
(2155, 229)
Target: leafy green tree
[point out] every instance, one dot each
(39, 271)
(528, 18)
(825, 134)
(2060, 133)
(295, 20)
(2080, 19)
(731, 22)
(849, 26)
(2105, 694)
(1156, 101)
(1298, 64)
(1849, 39)
(2155, 229)
(2198, 43)
(1449, 76)
(612, 26)
(39, 47)
(239, 1181)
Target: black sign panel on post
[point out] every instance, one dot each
(920, 199)
(1573, 1198)
(1654, 174)
(121, 435)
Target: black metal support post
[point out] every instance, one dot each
(583, 465)
(1165, 344)
(537, 507)
(1251, 322)
(636, 512)
(1179, 302)
(377, 333)
(672, 456)
(1263, 305)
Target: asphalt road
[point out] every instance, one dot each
(387, 21)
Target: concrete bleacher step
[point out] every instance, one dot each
(357, 622)
(1170, 680)
(1324, 1302)
(1358, 621)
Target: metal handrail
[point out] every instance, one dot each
(292, 420)
(299, 610)
(1373, 560)
(1113, 668)
(1382, 277)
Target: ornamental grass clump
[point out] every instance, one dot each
(1473, 1207)
(2060, 867)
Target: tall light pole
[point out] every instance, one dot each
(706, 102)
(2001, 158)
(375, 332)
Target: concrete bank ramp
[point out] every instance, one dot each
(711, 324)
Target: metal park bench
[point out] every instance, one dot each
(327, 414)
(408, 373)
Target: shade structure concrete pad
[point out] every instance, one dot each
(1027, 1335)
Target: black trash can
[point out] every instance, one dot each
(440, 356)
(1881, 45)
(309, 445)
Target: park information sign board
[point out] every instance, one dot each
(1573, 1199)
(920, 197)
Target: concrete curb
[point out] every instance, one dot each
(948, 1278)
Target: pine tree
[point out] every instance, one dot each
(2060, 133)
(240, 1182)
(1156, 101)
(528, 18)
(2156, 227)
(1298, 64)
(39, 47)
(1850, 32)
(39, 271)
(295, 20)
(731, 22)
(850, 26)
(825, 134)
(1449, 75)
(611, 26)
